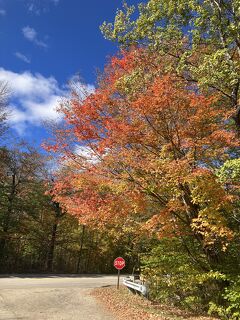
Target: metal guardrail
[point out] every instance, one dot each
(143, 289)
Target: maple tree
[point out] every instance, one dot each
(154, 150)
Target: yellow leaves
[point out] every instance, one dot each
(213, 228)
(206, 190)
(214, 205)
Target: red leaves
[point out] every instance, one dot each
(153, 135)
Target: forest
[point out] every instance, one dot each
(148, 164)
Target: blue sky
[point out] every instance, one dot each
(43, 44)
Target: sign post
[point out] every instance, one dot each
(119, 264)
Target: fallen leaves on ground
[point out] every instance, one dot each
(124, 306)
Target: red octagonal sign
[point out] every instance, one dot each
(119, 263)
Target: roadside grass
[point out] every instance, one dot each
(124, 305)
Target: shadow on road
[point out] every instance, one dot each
(107, 286)
(53, 275)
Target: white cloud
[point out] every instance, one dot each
(34, 98)
(40, 6)
(76, 84)
(3, 12)
(34, 9)
(26, 84)
(22, 57)
(31, 35)
(87, 154)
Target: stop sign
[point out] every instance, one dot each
(119, 263)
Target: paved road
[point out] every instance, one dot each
(52, 297)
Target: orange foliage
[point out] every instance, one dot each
(152, 136)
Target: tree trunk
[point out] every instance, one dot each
(7, 217)
(51, 250)
(80, 250)
(50, 255)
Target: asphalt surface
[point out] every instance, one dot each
(52, 297)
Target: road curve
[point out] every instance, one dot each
(52, 297)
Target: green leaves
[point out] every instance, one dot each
(230, 171)
(201, 37)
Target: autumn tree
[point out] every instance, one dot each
(161, 143)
